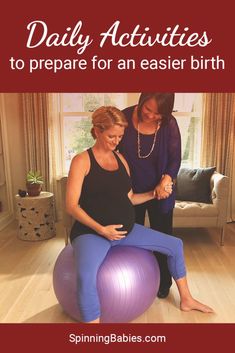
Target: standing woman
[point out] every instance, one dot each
(152, 148)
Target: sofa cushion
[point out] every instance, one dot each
(191, 209)
(194, 184)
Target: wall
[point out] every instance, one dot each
(14, 124)
(132, 98)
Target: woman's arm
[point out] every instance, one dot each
(79, 168)
(164, 188)
(137, 199)
(174, 149)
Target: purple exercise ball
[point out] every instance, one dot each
(127, 282)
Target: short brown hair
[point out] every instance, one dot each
(165, 102)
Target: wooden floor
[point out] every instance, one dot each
(26, 290)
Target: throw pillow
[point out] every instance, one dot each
(194, 184)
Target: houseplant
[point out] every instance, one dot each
(34, 181)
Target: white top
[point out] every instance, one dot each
(43, 194)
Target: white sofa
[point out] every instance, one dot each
(189, 214)
(186, 214)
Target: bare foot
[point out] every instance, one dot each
(192, 304)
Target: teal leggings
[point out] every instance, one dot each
(90, 251)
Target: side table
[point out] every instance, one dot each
(36, 217)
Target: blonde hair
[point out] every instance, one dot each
(105, 117)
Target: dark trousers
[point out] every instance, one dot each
(163, 223)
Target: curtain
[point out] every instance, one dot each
(218, 145)
(36, 134)
(42, 137)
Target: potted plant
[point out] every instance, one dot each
(34, 181)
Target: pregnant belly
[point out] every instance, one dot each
(114, 212)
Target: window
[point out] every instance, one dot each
(188, 113)
(76, 110)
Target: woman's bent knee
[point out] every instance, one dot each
(178, 247)
(179, 243)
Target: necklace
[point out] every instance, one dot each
(138, 143)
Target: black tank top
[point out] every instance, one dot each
(104, 197)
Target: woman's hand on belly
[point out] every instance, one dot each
(111, 232)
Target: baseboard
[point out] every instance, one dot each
(5, 219)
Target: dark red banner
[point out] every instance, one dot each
(103, 338)
(117, 47)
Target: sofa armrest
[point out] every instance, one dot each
(219, 195)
